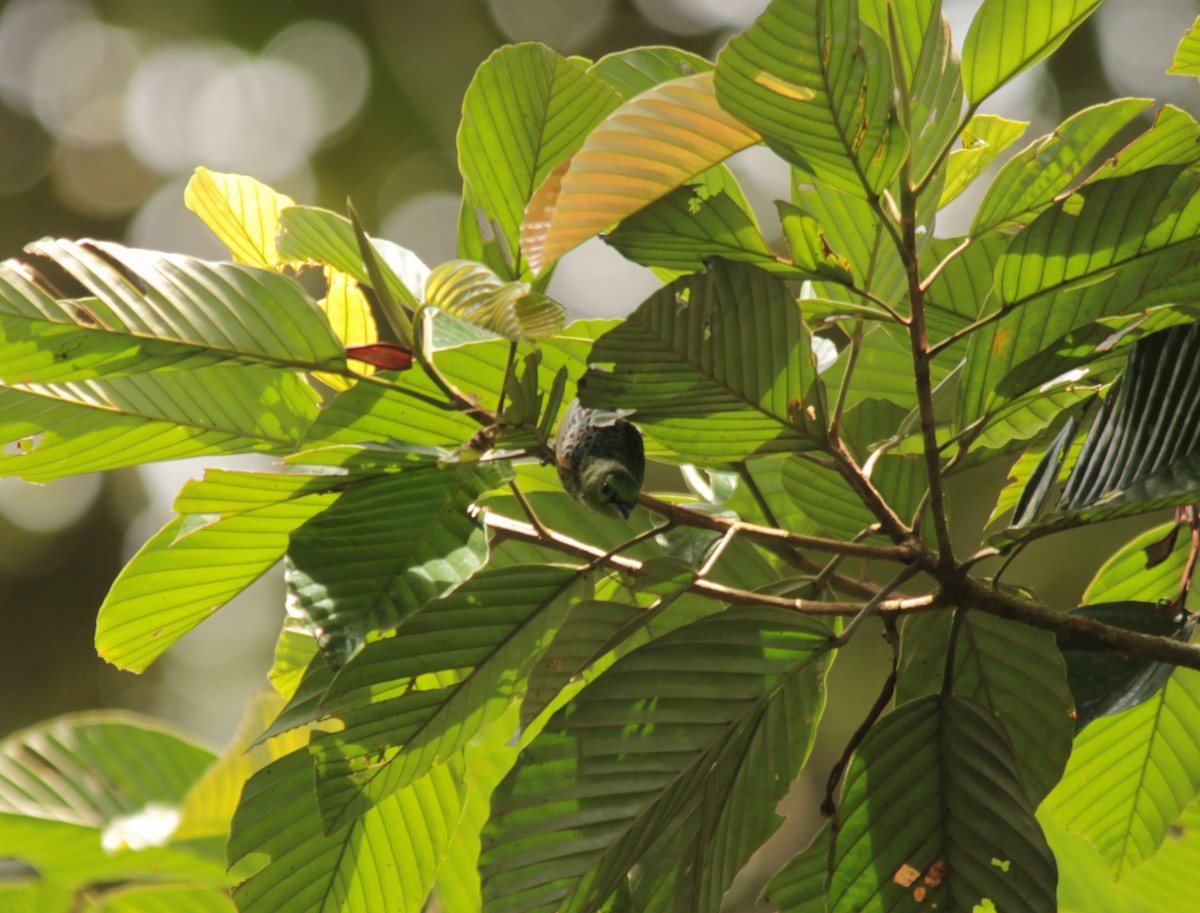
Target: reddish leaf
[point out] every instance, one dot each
(386, 355)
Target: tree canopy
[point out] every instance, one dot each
(489, 694)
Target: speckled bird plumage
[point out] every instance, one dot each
(601, 461)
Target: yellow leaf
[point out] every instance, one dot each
(646, 148)
(242, 212)
(350, 315)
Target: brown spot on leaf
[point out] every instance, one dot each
(906, 875)
(936, 873)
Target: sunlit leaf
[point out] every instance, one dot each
(817, 85)
(1131, 774)
(1187, 55)
(983, 139)
(643, 150)
(956, 826)
(472, 292)
(243, 213)
(1008, 36)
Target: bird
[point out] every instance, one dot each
(600, 459)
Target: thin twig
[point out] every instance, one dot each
(518, 529)
(715, 555)
(872, 608)
(844, 388)
(828, 805)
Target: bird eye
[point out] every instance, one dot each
(606, 490)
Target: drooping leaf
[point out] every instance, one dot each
(386, 860)
(1009, 36)
(527, 109)
(242, 212)
(1131, 774)
(934, 811)
(1011, 669)
(384, 549)
(643, 150)
(726, 376)
(54, 430)
(397, 727)
(231, 529)
(816, 84)
(611, 772)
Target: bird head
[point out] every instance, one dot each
(610, 487)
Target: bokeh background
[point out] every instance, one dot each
(106, 107)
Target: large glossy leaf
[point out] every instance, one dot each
(726, 376)
(242, 212)
(384, 549)
(231, 529)
(1011, 669)
(934, 811)
(1032, 178)
(526, 110)
(53, 430)
(475, 647)
(1115, 246)
(215, 311)
(1131, 774)
(386, 860)
(817, 85)
(611, 772)
(1009, 36)
(643, 150)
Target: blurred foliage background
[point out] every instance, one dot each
(106, 107)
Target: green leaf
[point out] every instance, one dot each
(485, 637)
(1006, 667)
(1009, 36)
(611, 772)
(472, 292)
(163, 899)
(650, 145)
(308, 233)
(1157, 886)
(726, 376)
(386, 860)
(1131, 774)
(799, 887)
(824, 498)
(1132, 244)
(634, 70)
(933, 809)
(95, 797)
(817, 85)
(983, 139)
(1128, 575)
(1104, 682)
(387, 547)
(1187, 55)
(233, 527)
(689, 226)
(527, 109)
(1031, 179)
(54, 430)
(1173, 139)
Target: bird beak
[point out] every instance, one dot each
(625, 509)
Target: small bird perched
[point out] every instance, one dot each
(600, 459)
